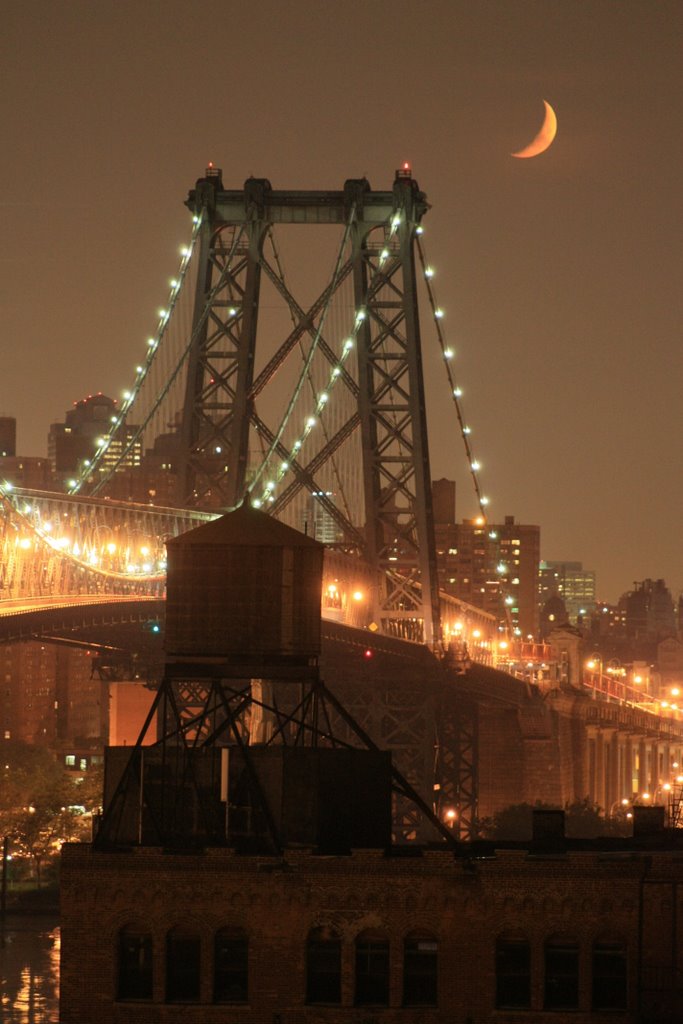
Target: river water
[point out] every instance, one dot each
(29, 970)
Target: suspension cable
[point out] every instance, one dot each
(307, 362)
(456, 391)
(154, 346)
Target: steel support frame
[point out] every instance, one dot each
(196, 712)
(398, 536)
(215, 424)
(457, 756)
(397, 478)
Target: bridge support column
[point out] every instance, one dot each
(600, 772)
(612, 779)
(627, 771)
(648, 765)
(590, 772)
(665, 763)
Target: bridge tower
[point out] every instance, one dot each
(397, 535)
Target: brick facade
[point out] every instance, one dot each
(463, 904)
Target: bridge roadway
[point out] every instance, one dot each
(33, 618)
(517, 741)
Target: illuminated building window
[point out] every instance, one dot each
(372, 970)
(513, 972)
(420, 970)
(323, 967)
(134, 979)
(230, 966)
(561, 988)
(182, 966)
(609, 988)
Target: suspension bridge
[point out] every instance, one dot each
(312, 408)
(307, 401)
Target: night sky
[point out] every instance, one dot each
(560, 276)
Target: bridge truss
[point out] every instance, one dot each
(308, 399)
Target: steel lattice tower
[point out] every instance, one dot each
(397, 538)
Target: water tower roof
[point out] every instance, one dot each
(245, 526)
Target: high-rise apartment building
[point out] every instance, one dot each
(491, 566)
(570, 582)
(445, 534)
(519, 549)
(49, 697)
(317, 521)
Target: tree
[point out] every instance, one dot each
(583, 820)
(37, 803)
(514, 822)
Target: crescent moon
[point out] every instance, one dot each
(544, 138)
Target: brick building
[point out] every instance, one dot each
(490, 566)
(584, 934)
(49, 697)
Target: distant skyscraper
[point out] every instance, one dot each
(74, 442)
(570, 582)
(650, 611)
(8, 436)
(318, 523)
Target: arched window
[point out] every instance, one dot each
(134, 975)
(323, 966)
(513, 972)
(183, 954)
(230, 966)
(561, 989)
(610, 976)
(420, 970)
(372, 969)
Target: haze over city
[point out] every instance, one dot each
(558, 275)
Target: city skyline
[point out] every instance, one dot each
(557, 274)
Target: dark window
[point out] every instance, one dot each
(420, 967)
(561, 975)
(610, 981)
(372, 970)
(134, 965)
(323, 967)
(182, 966)
(230, 966)
(513, 973)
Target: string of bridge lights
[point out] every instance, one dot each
(268, 493)
(142, 370)
(456, 395)
(455, 389)
(267, 496)
(82, 555)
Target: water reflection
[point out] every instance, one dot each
(29, 971)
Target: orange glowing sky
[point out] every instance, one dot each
(559, 277)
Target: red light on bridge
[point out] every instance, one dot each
(367, 653)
